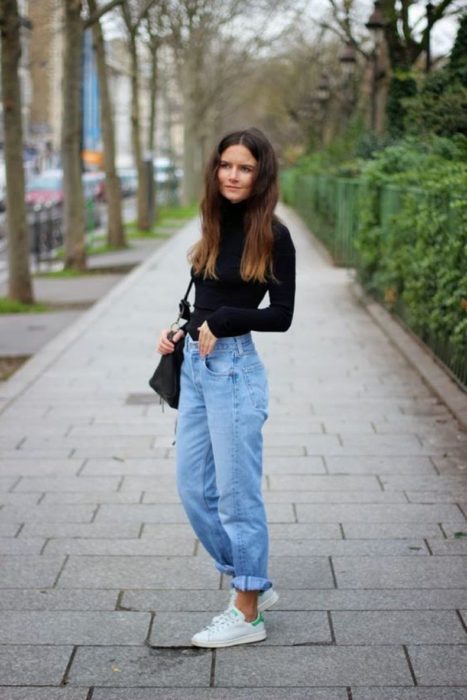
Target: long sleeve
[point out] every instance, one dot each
(230, 320)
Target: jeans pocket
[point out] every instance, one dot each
(219, 365)
(257, 384)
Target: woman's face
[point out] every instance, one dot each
(236, 173)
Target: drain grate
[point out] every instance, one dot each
(141, 399)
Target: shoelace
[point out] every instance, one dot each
(223, 620)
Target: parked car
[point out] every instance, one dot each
(2, 186)
(94, 185)
(128, 181)
(46, 188)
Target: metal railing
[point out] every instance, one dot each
(331, 207)
(45, 229)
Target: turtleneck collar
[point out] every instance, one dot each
(232, 213)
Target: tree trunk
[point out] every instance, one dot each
(153, 47)
(113, 193)
(74, 215)
(191, 164)
(142, 196)
(19, 285)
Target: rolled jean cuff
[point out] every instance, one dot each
(251, 583)
(225, 568)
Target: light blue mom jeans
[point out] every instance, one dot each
(222, 408)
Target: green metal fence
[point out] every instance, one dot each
(330, 207)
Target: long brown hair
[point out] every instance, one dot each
(256, 260)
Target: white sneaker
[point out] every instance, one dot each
(266, 599)
(230, 628)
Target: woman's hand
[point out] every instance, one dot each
(166, 346)
(206, 340)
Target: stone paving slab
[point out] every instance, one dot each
(20, 499)
(349, 548)
(48, 514)
(304, 531)
(13, 545)
(220, 694)
(425, 483)
(95, 498)
(335, 497)
(324, 483)
(122, 467)
(448, 547)
(18, 466)
(447, 496)
(158, 547)
(133, 667)
(391, 530)
(56, 599)
(29, 572)
(355, 464)
(137, 572)
(303, 599)
(83, 627)
(85, 530)
(439, 665)
(50, 693)
(398, 627)
(308, 666)
(33, 664)
(284, 629)
(377, 513)
(60, 484)
(454, 529)
(409, 693)
(9, 529)
(400, 572)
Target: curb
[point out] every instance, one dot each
(418, 355)
(24, 377)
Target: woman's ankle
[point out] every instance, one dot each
(247, 603)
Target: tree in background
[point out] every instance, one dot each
(404, 45)
(19, 281)
(440, 107)
(113, 193)
(73, 221)
(133, 13)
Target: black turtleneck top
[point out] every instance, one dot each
(230, 305)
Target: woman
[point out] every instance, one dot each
(244, 252)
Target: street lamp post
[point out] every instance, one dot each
(375, 24)
(323, 94)
(347, 59)
(429, 20)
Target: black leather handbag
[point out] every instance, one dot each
(166, 378)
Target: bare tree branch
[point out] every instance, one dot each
(95, 17)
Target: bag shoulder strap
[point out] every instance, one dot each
(187, 293)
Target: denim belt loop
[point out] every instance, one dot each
(239, 344)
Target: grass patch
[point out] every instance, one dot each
(11, 306)
(168, 214)
(64, 274)
(132, 231)
(98, 248)
(9, 365)
(167, 221)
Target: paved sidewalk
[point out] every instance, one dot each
(103, 582)
(23, 334)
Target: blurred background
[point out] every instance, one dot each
(110, 109)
